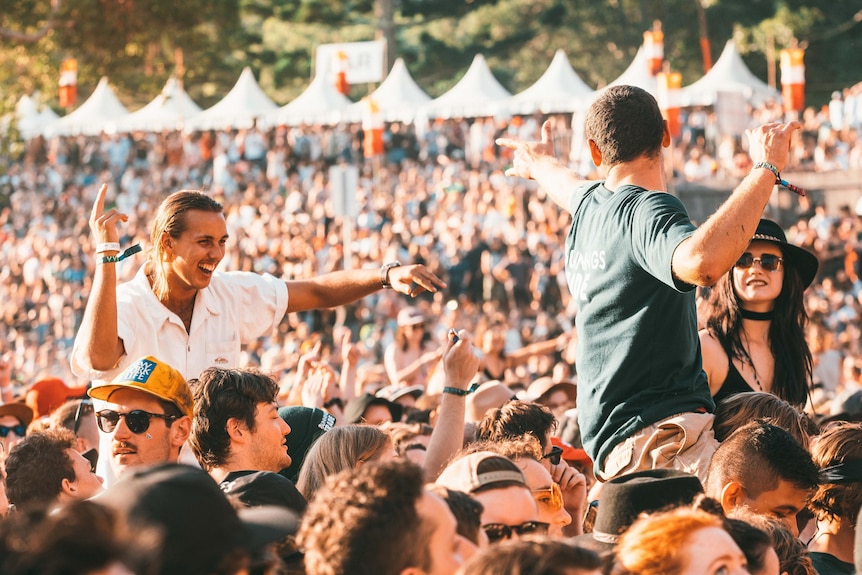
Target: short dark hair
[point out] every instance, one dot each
(64, 416)
(740, 409)
(516, 419)
(220, 395)
(532, 557)
(757, 456)
(364, 521)
(466, 509)
(37, 466)
(625, 123)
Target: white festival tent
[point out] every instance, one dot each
(478, 94)
(729, 74)
(99, 113)
(240, 107)
(559, 89)
(320, 103)
(33, 117)
(399, 98)
(167, 111)
(638, 74)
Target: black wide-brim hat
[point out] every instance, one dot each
(801, 259)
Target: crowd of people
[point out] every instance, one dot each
(469, 371)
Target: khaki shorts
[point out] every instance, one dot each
(685, 442)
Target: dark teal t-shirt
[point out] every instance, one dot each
(638, 354)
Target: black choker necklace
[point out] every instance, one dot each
(756, 315)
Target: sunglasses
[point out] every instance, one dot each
(554, 455)
(769, 262)
(551, 497)
(19, 430)
(499, 531)
(138, 420)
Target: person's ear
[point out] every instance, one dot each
(167, 243)
(665, 136)
(236, 429)
(732, 496)
(412, 571)
(67, 487)
(595, 153)
(180, 431)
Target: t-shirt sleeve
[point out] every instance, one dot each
(660, 224)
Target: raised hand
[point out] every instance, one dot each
(771, 143)
(104, 224)
(526, 153)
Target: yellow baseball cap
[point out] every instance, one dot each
(152, 376)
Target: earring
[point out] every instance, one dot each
(149, 436)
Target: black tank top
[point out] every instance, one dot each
(733, 383)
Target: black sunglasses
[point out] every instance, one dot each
(499, 531)
(137, 420)
(19, 430)
(78, 413)
(769, 262)
(554, 455)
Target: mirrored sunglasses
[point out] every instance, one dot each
(769, 262)
(137, 420)
(499, 531)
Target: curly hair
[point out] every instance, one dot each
(365, 522)
(516, 419)
(37, 466)
(841, 500)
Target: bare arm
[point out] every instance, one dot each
(343, 287)
(714, 361)
(100, 346)
(716, 245)
(536, 161)
(461, 364)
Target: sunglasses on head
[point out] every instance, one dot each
(19, 430)
(499, 531)
(137, 420)
(551, 497)
(554, 455)
(769, 262)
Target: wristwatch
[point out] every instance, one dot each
(384, 273)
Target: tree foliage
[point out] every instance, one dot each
(135, 42)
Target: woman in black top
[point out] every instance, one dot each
(754, 339)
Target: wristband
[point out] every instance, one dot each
(107, 247)
(769, 167)
(384, 274)
(118, 258)
(461, 392)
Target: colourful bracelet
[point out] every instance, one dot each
(118, 258)
(461, 392)
(778, 180)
